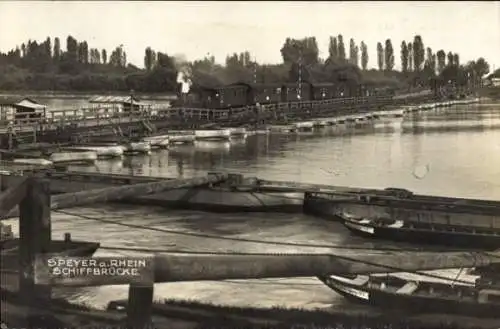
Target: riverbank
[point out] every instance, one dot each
(280, 317)
(174, 314)
(51, 94)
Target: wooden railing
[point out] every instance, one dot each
(96, 116)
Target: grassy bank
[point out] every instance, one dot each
(223, 316)
(173, 314)
(281, 318)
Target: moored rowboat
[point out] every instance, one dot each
(140, 147)
(219, 134)
(157, 141)
(238, 132)
(101, 151)
(73, 157)
(423, 233)
(33, 161)
(181, 139)
(393, 291)
(407, 206)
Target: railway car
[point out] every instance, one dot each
(235, 95)
(291, 93)
(352, 90)
(266, 93)
(244, 94)
(322, 91)
(261, 93)
(222, 97)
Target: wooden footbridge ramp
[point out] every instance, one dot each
(35, 284)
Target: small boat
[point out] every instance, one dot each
(422, 233)
(393, 291)
(238, 132)
(321, 123)
(282, 129)
(158, 141)
(218, 134)
(33, 161)
(101, 151)
(139, 147)
(181, 137)
(304, 126)
(430, 213)
(86, 157)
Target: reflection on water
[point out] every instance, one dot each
(476, 118)
(209, 146)
(462, 160)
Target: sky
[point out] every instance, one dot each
(195, 29)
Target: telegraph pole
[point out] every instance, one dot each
(254, 70)
(299, 92)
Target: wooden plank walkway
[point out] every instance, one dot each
(98, 117)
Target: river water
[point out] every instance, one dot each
(453, 152)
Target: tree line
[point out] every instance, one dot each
(79, 67)
(347, 62)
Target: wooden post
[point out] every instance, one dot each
(1, 176)
(34, 133)
(140, 305)
(35, 237)
(11, 139)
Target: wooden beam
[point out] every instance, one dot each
(172, 268)
(35, 238)
(12, 197)
(286, 186)
(68, 200)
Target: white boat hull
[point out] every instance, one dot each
(40, 162)
(222, 134)
(238, 132)
(73, 157)
(304, 125)
(141, 147)
(157, 141)
(101, 151)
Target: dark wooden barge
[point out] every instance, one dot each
(392, 291)
(432, 213)
(423, 233)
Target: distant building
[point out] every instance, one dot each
(495, 82)
(120, 103)
(18, 108)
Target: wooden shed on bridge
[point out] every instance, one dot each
(20, 108)
(120, 103)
